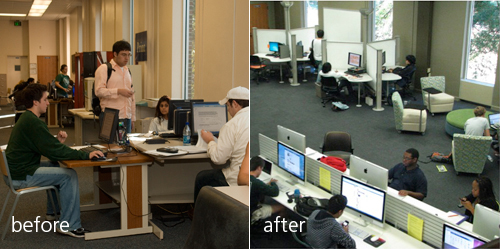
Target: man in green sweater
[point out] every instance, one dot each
(30, 139)
(259, 189)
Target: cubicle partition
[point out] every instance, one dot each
(390, 47)
(337, 52)
(262, 37)
(397, 207)
(306, 35)
(342, 25)
(371, 66)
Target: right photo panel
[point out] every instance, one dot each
(374, 124)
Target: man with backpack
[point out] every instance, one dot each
(116, 90)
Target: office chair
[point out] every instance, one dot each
(406, 92)
(6, 172)
(338, 144)
(257, 67)
(439, 102)
(408, 119)
(330, 87)
(469, 153)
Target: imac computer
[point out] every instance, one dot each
(109, 124)
(367, 201)
(177, 105)
(486, 222)
(209, 116)
(274, 46)
(368, 172)
(292, 138)
(354, 60)
(292, 162)
(454, 237)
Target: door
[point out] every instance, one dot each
(17, 70)
(258, 19)
(47, 68)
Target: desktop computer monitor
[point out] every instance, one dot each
(273, 46)
(176, 105)
(383, 58)
(494, 118)
(354, 59)
(368, 172)
(210, 116)
(486, 222)
(109, 124)
(292, 162)
(367, 201)
(284, 51)
(454, 237)
(292, 138)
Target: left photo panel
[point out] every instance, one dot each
(125, 122)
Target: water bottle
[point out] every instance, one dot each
(296, 195)
(186, 135)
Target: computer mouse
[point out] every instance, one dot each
(98, 158)
(374, 238)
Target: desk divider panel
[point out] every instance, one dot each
(268, 148)
(337, 53)
(264, 36)
(312, 174)
(390, 48)
(371, 66)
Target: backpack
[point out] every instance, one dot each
(307, 205)
(440, 158)
(96, 102)
(334, 162)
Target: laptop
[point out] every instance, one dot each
(268, 165)
(494, 118)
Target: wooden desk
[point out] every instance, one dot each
(86, 127)
(131, 194)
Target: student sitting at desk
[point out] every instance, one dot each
(260, 189)
(405, 72)
(407, 177)
(323, 231)
(326, 71)
(482, 193)
(160, 122)
(29, 140)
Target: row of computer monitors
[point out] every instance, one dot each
(365, 189)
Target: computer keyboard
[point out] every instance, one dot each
(351, 73)
(358, 231)
(283, 187)
(90, 149)
(275, 55)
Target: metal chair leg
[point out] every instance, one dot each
(4, 205)
(10, 215)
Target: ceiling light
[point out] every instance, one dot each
(11, 14)
(39, 7)
(35, 14)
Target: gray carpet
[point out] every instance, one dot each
(32, 205)
(374, 136)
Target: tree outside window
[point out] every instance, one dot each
(311, 13)
(382, 27)
(483, 43)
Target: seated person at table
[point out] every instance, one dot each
(326, 71)
(407, 177)
(159, 123)
(405, 72)
(323, 230)
(482, 193)
(29, 141)
(259, 190)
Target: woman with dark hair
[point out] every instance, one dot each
(482, 193)
(160, 122)
(62, 82)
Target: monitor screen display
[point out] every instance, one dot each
(494, 118)
(368, 172)
(383, 58)
(209, 116)
(486, 222)
(363, 198)
(292, 161)
(108, 125)
(354, 59)
(178, 104)
(273, 46)
(454, 237)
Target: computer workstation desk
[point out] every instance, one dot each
(361, 78)
(280, 61)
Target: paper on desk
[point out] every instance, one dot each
(415, 226)
(165, 154)
(324, 178)
(456, 217)
(201, 143)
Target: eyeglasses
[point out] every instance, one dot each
(125, 54)
(407, 158)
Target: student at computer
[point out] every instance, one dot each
(259, 190)
(405, 73)
(30, 139)
(482, 193)
(160, 121)
(326, 71)
(324, 231)
(233, 138)
(407, 177)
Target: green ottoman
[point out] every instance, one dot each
(456, 119)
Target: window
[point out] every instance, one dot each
(310, 13)
(382, 20)
(484, 35)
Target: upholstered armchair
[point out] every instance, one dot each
(469, 153)
(408, 119)
(439, 102)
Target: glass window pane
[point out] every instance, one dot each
(383, 20)
(484, 38)
(311, 13)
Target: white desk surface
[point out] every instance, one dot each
(239, 193)
(141, 146)
(390, 77)
(277, 59)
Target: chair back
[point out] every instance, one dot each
(255, 60)
(437, 82)
(329, 83)
(337, 141)
(5, 169)
(469, 152)
(398, 107)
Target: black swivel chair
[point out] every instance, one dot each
(257, 67)
(406, 91)
(330, 87)
(337, 143)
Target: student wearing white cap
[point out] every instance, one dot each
(233, 139)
